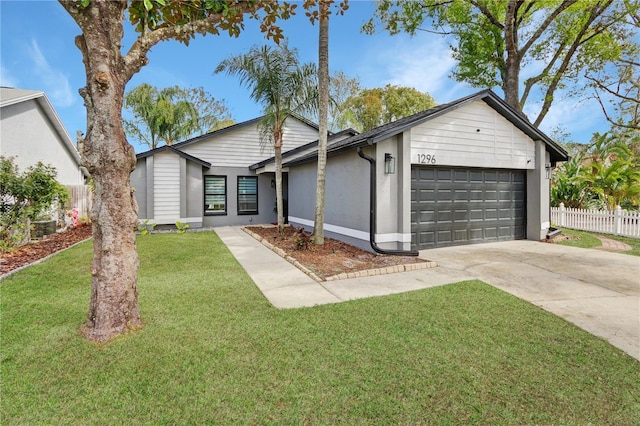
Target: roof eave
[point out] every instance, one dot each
(163, 148)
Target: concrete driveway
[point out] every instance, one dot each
(596, 290)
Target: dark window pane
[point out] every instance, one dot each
(215, 194)
(247, 195)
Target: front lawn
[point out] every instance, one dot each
(214, 351)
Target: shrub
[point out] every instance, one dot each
(25, 196)
(301, 239)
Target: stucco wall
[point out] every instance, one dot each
(538, 196)
(346, 197)
(194, 191)
(27, 134)
(393, 199)
(266, 199)
(139, 183)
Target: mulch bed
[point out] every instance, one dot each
(332, 258)
(39, 249)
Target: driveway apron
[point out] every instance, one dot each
(597, 291)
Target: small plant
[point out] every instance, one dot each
(301, 239)
(145, 228)
(182, 227)
(84, 220)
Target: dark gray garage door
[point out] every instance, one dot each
(452, 206)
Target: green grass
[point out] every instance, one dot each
(588, 240)
(214, 351)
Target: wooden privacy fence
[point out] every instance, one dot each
(80, 197)
(617, 222)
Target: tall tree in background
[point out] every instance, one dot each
(494, 40)
(105, 152)
(622, 89)
(212, 114)
(341, 88)
(283, 87)
(171, 114)
(371, 108)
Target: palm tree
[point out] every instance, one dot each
(567, 185)
(283, 87)
(172, 114)
(159, 115)
(177, 117)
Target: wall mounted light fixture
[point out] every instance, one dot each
(547, 169)
(389, 164)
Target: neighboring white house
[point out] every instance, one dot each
(31, 131)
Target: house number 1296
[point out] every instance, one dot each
(426, 159)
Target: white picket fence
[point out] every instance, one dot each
(617, 222)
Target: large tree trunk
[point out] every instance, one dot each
(323, 89)
(511, 80)
(110, 159)
(113, 307)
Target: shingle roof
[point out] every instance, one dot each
(10, 96)
(175, 151)
(303, 150)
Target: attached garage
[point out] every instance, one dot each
(453, 206)
(470, 171)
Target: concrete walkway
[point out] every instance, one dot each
(596, 290)
(285, 286)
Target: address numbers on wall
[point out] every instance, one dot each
(426, 159)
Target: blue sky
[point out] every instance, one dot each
(38, 53)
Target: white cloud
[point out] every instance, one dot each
(581, 118)
(422, 63)
(426, 68)
(55, 83)
(7, 79)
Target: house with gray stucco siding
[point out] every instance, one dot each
(470, 171)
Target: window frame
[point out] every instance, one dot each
(246, 212)
(226, 201)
